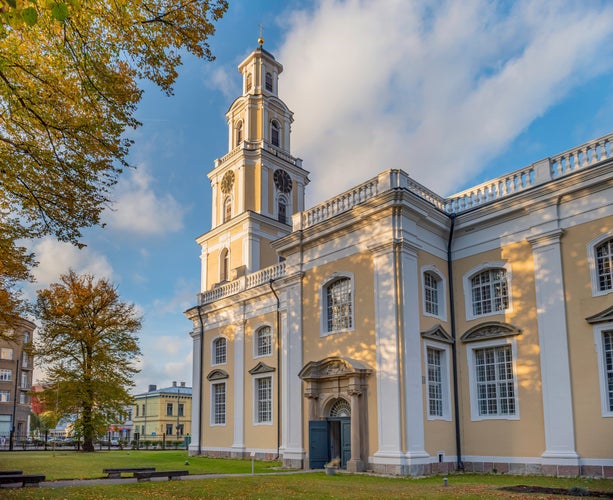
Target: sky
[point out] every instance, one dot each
(454, 93)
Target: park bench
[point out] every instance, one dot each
(116, 472)
(24, 479)
(170, 474)
(10, 472)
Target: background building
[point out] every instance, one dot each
(396, 329)
(16, 367)
(163, 412)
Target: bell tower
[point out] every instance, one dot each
(258, 184)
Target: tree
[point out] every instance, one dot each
(87, 345)
(69, 85)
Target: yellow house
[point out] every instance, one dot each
(163, 413)
(396, 329)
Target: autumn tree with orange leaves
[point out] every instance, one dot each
(88, 347)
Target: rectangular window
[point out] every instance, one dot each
(169, 409)
(6, 375)
(435, 383)
(6, 353)
(263, 390)
(144, 410)
(168, 429)
(181, 409)
(264, 341)
(24, 380)
(137, 410)
(24, 360)
(5, 396)
(219, 404)
(22, 398)
(607, 354)
(339, 305)
(495, 382)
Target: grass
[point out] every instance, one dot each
(60, 465)
(315, 485)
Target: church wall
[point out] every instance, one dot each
(359, 343)
(590, 425)
(439, 434)
(252, 192)
(521, 436)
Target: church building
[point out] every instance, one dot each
(398, 330)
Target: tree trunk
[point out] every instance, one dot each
(88, 430)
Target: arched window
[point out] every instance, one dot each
(263, 339)
(339, 305)
(239, 133)
(269, 82)
(227, 209)
(490, 292)
(274, 133)
(604, 265)
(219, 351)
(282, 210)
(224, 265)
(340, 408)
(248, 82)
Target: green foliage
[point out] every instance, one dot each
(69, 75)
(88, 346)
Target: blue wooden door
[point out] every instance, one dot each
(318, 444)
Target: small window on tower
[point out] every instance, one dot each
(248, 82)
(282, 209)
(239, 133)
(274, 133)
(269, 82)
(227, 209)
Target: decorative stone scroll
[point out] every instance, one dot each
(490, 330)
(602, 317)
(335, 366)
(438, 333)
(217, 375)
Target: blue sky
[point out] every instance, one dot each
(454, 93)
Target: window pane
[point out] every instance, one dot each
(264, 341)
(435, 383)
(607, 351)
(431, 293)
(604, 265)
(264, 401)
(219, 404)
(339, 312)
(220, 351)
(490, 291)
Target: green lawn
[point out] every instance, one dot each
(314, 485)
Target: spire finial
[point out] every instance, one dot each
(261, 39)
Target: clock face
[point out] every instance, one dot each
(227, 182)
(283, 181)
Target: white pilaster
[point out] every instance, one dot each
(239, 387)
(553, 340)
(413, 398)
(240, 205)
(204, 265)
(388, 363)
(196, 384)
(265, 204)
(291, 385)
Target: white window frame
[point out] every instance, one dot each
(602, 375)
(5, 396)
(24, 380)
(256, 399)
(7, 353)
(472, 377)
(445, 351)
(256, 350)
(441, 291)
(286, 198)
(6, 375)
(224, 270)
(468, 290)
(213, 404)
(323, 303)
(214, 351)
(227, 202)
(274, 124)
(591, 257)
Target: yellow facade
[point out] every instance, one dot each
(398, 330)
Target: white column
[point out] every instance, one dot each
(553, 340)
(413, 398)
(388, 363)
(238, 446)
(196, 384)
(291, 385)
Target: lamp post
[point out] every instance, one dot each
(178, 390)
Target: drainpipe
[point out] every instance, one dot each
(201, 384)
(454, 351)
(278, 369)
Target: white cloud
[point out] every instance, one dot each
(219, 79)
(435, 89)
(139, 209)
(56, 258)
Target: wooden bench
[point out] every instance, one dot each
(170, 474)
(116, 473)
(24, 479)
(10, 472)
